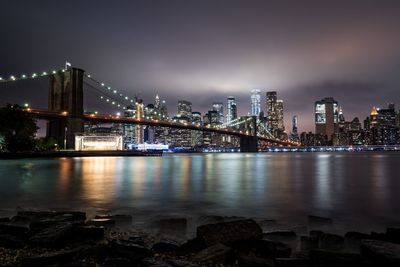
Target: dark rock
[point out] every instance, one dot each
(193, 245)
(14, 229)
(309, 242)
(88, 233)
(319, 221)
(253, 261)
(352, 240)
(262, 248)
(282, 236)
(381, 253)
(393, 234)
(331, 242)
(208, 219)
(130, 250)
(292, 262)
(320, 257)
(182, 263)
(55, 236)
(227, 232)
(174, 226)
(152, 262)
(39, 215)
(378, 236)
(316, 233)
(51, 258)
(5, 219)
(108, 223)
(217, 253)
(43, 223)
(10, 241)
(117, 262)
(165, 245)
(139, 240)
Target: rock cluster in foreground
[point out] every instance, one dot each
(67, 238)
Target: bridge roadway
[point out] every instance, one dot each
(46, 115)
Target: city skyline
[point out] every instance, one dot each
(307, 52)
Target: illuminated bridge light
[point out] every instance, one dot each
(108, 100)
(101, 97)
(126, 97)
(113, 103)
(12, 77)
(115, 91)
(44, 73)
(88, 75)
(23, 76)
(54, 72)
(109, 88)
(102, 84)
(34, 75)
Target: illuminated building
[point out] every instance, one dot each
(219, 108)
(91, 142)
(196, 136)
(232, 110)
(139, 129)
(255, 102)
(274, 107)
(326, 117)
(294, 135)
(184, 108)
(382, 126)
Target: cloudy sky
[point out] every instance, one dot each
(203, 51)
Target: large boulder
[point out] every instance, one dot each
(331, 241)
(393, 234)
(54, 236)
(50, 258)
(129, 250)
(166, 245)
(215, 254)
(228, 232)
(381, 252)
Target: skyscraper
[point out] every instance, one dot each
(326, 117)
(295, 134)
(274, 106)
(255, 102)
(232, 110)
(184, 108)
(219, 108)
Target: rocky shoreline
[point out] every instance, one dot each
(69, 238)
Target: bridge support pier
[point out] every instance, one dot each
(249, 144)
(66, 97)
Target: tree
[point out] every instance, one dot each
(17, 128)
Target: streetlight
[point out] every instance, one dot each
(65, 138)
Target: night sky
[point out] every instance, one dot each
(203, 51)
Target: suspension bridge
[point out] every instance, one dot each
(66, 117)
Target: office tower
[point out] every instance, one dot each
(279, 114)
(383, 128)
(219, 108)
(295, 133)
(326, 117)
(232, 110)
(274, 107)
(255, 102)
(139, 129)
(184, 108)
(197, 136)
(157, 102)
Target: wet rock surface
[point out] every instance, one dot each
(69, 238)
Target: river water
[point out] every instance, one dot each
(357, 190)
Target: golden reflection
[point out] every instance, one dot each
(64, 177)
(99, 175)
(138, 179)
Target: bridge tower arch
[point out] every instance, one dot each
(66, 96)
(250, 143)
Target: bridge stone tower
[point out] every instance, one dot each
(250, 143)
(66, 95)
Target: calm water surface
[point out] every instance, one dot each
(358, 190)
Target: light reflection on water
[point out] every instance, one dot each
(353, 187)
